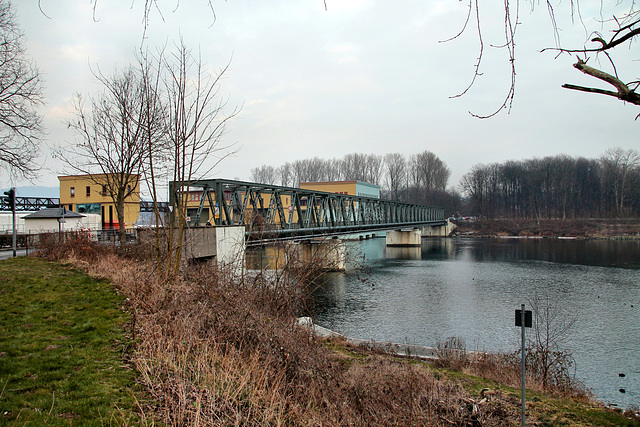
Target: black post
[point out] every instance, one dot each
(15, 228)
(522, 319)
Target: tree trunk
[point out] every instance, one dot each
(121, 224)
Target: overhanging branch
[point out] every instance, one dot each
(623, 92)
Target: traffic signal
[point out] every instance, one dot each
(10, 198)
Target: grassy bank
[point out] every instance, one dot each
(214, 349)
(62, 336)
(579, 228)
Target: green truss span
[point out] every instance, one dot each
(271, 209)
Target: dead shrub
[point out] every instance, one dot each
(452, 354)
(56, 246)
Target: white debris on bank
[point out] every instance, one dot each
(421, 352)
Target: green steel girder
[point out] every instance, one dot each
(290, 210)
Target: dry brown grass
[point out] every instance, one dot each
(212, 350)
(505, 368)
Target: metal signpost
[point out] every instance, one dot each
(524, 320)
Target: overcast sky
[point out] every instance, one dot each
(363, 76)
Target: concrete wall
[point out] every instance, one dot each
(226, 244)
(230, 246)
(439, 231)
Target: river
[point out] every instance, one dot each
(469, 288)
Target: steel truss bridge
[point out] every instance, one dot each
(26, 204)
(275, 211)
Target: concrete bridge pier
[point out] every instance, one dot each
(226, 244)
(438, 230)
(404, 237)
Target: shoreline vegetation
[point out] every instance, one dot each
(208, 347)
(590, 228)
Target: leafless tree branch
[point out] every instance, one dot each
(21, 128)
(623, 92)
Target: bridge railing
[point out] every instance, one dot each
(271, 208)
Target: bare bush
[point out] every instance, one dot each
(452, 353)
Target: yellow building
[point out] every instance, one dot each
(87, 194)
(352, 188)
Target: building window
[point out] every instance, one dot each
(88, 191)
(90, 208)
(73, 192)
(104, 190)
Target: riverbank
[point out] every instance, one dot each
(208, 348)
(575, 228)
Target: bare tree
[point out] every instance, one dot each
(618, 25)
(113, 144)
(264, 174)
(308, 170)
(354, 167)
(196, 123)
(331, 170)
(373, 169)
(618, 164)
(474, 185)
(286, 175)
(154, 129)
(431, 172)
(20, 95)
(548, 359)
(396, 174)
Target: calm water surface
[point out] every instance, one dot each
(470, 288)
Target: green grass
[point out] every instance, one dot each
(61, 348)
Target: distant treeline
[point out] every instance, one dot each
(556, 187)
(551, 187)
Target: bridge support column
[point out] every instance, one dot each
(225, 244)
(404, 238)
(438, 230)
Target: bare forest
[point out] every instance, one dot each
(558, 186)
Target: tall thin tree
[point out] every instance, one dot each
(21, 128)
